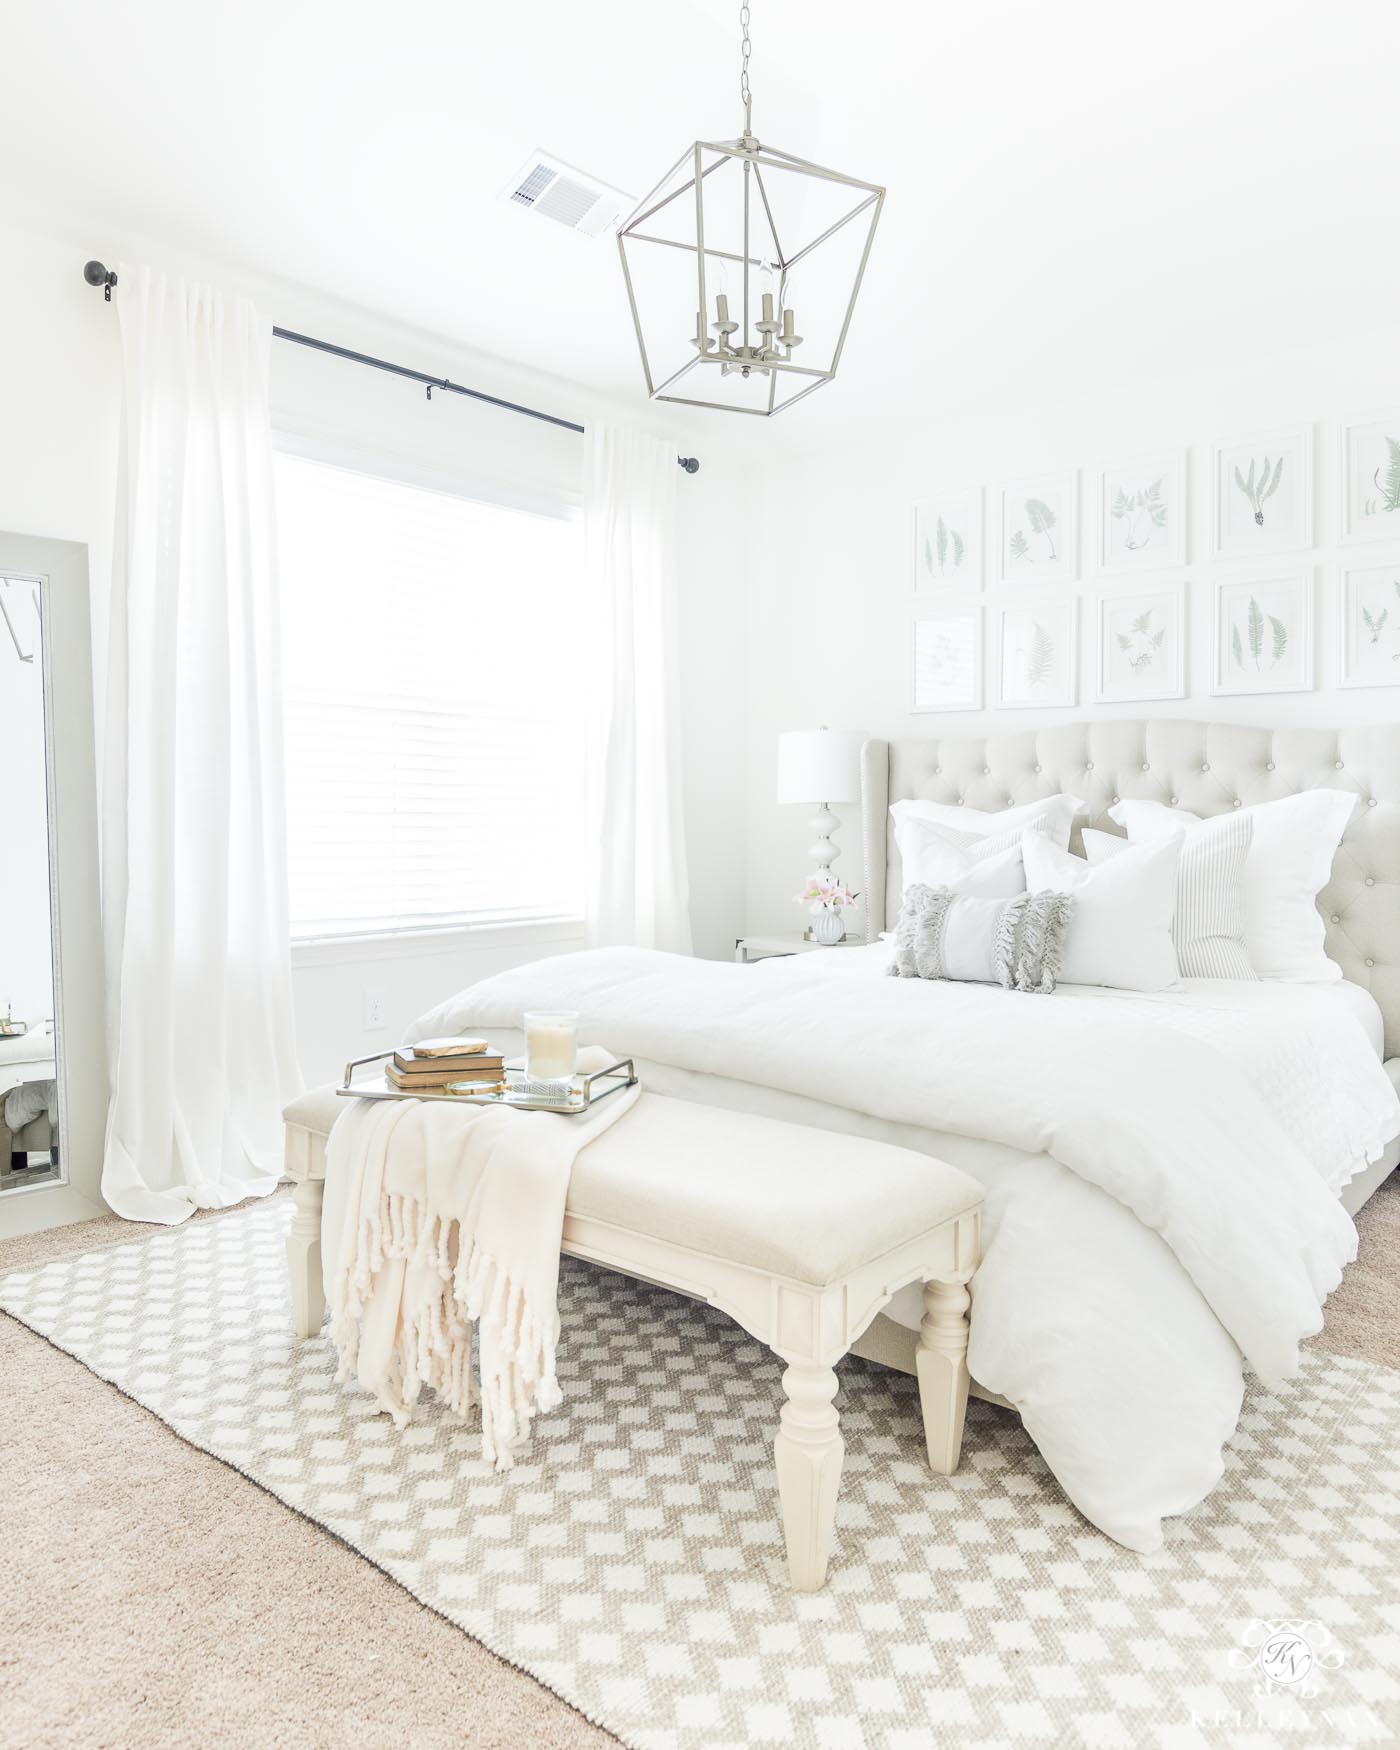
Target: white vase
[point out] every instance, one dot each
(828, 927)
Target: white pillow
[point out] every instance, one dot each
(932, 856)
(1058, 813)
(1121, 931)
(1209, 925)
(1289, 863)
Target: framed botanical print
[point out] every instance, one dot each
(1263, 634)
(1039, 523)
(1264, 493)
(1371, 478)
(1142, 514)
(947, 658)
(948, 541)
(1368, 627)
(1141, 644)
(1038, 652)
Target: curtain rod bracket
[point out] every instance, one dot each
(96, 274)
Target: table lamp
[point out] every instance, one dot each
(821, 766)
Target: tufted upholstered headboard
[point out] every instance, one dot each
(1206, 767)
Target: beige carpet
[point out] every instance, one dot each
(158, 1598)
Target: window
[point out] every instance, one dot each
(433, 706)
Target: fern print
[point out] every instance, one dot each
(1388, 478)
(940, 543)
(1259, 491)
(1020, 547)
(1265, 641)
(1040, 659)
(1140, 645)
(1042, 522)
(1375, 623)
(1141, 513)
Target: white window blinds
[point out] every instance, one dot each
(433, 706)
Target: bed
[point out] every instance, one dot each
(1195, 1147)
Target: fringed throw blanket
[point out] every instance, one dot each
(440, 1219)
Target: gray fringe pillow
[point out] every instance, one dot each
(1016, 943)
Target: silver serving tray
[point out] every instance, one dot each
(584, 1091)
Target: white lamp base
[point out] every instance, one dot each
(823, 851)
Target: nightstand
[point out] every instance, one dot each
(748, 948)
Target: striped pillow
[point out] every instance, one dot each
(1208, 930)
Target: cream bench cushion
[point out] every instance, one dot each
(801, 1235)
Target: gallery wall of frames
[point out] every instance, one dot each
(1010, 570)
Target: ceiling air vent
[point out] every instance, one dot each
(557, 191)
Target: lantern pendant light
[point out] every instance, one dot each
(736, 246)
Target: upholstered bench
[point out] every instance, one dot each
(800, 1235)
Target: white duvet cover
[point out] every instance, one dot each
(1161, 1169)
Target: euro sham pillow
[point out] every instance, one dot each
(1121, 934)
(1016, 943)
(1057, 811)
(1289, 863)
(1208, 929)
(960, 850)
(933, 856)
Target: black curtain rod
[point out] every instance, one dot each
(97, 275)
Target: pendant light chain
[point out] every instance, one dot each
(746, 49)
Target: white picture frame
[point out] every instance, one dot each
(1263, 493)
(945, 645)
(1368, 624)
(1037, 653)
(1263, 633)
(1142, 510)
(1140, 635)
(948, 547)
(1032, 549)
(1370, 476)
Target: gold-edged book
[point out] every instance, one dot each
(434, 1084)
(436, 1068)
(457, 1045)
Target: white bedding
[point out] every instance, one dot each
(1160, 1168)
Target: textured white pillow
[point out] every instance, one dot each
(1056, 812)
(1289, 863)
(1121, 931)
(1209, 925)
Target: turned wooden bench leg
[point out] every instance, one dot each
(809, 1453)
(304, 1257)
(941, 1360)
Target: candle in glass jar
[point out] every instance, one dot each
(551, 1045)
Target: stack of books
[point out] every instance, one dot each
(435, 1065)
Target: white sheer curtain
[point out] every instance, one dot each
(637, 892)
(193, 838)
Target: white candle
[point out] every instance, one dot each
(768, 306)
(551, 1045)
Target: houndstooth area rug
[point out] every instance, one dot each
(634, 1563)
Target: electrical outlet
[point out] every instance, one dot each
(374, 1010)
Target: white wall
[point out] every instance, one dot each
(830, 607)
(26, 961)
(59, 401)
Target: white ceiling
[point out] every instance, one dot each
(1079, 192)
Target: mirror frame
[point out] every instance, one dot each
(61, 570)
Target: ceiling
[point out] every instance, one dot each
(1079, 193)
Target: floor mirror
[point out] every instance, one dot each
(53, 1081)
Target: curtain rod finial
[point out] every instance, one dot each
(691, 464)
(96, 274)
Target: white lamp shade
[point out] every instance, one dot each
(819, 765)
